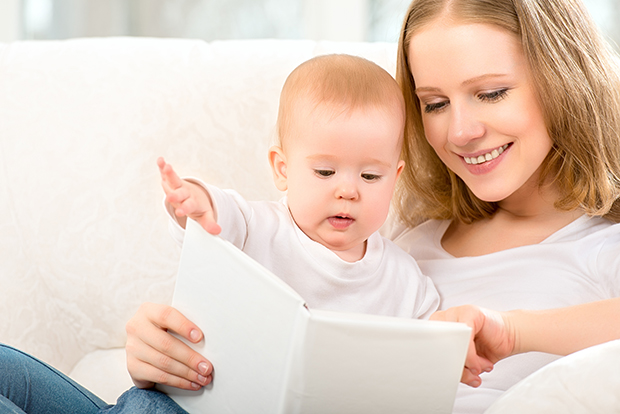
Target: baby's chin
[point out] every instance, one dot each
(350, 252)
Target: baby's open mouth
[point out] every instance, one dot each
(340, 222)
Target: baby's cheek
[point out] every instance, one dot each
(301, 207)
(380, 208)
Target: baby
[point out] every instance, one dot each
(340, 130)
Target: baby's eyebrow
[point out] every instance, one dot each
(370, 160)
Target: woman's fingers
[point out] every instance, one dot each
(154, 355)
(149, 366)
(473, 317)
(471, 379)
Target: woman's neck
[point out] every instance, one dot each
(531, 201)
(527, 217)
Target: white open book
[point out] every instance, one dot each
(271, 354)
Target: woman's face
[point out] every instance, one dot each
(479, 107)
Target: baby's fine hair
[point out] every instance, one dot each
(339, 83)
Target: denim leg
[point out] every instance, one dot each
(7, 406)
(150, 401)
(33, 386)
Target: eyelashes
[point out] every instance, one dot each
(493, 96)
(370, 177)
(489, 97)
(434, 107)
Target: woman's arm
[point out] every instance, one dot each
(497, 335)
(566, 330)
(156, 356)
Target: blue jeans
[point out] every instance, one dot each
(28, 385)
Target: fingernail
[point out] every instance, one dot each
(202, 379)
(194, 335)
(195, 386)
(203, 368)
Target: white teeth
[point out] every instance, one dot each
(486, 157)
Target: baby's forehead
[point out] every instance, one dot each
(310, 108)
(328, 122)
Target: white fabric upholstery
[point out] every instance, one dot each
(585, 382)
(83, 235)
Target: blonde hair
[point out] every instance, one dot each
(577, 78)
(342, 83)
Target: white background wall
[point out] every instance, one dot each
(10, 20)
(353, 20)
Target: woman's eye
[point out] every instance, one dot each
(324, 173)
(371, 177)
(493, 96)
(434, 107)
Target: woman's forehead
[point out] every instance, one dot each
(463, 51)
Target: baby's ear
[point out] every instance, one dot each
(277, 159)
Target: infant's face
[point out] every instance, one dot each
(341, 172)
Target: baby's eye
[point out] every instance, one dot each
(324, 173)
(434, 107)
(370, 177)
(493, 96)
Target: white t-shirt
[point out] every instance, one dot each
(386, 281)
(579, 263)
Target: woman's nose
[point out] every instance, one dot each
(465, 125)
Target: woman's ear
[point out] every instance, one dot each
(277, 159)
(399, 168)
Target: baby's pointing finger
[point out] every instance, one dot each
(168, 174)
(171, 176)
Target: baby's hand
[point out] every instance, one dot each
(187, 199)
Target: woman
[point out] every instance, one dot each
(513, 166)
(514, 156)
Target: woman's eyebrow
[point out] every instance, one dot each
(483, 77)
(464, 83)
(426, 89)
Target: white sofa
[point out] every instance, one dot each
(83, 235)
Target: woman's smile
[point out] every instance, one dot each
(485, 156)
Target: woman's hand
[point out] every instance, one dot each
(156, 356)
(492, 338)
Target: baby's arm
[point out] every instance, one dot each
(187, 199)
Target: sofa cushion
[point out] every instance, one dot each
(587, 381)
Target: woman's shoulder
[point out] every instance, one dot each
(428, 233)
(585, 227)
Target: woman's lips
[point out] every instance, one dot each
(489, 156)
(486, 162)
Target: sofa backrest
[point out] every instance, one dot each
(83, 234)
